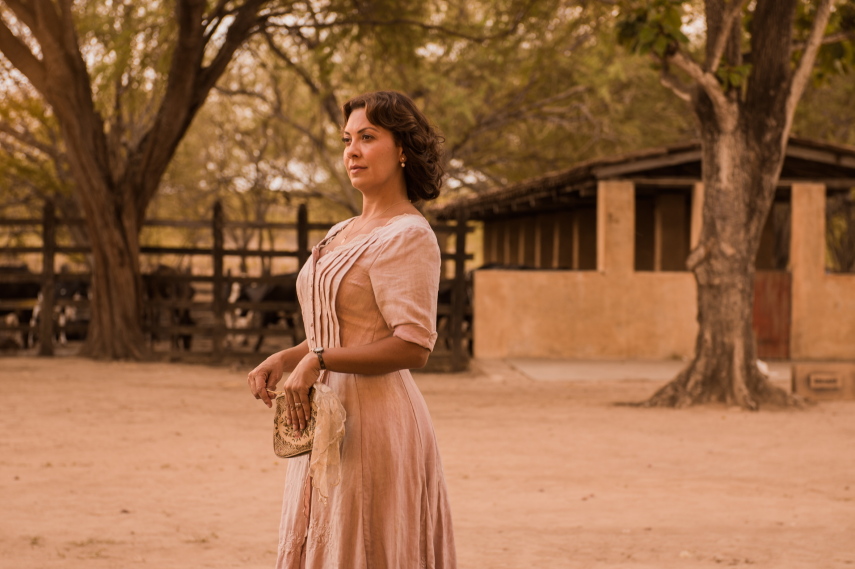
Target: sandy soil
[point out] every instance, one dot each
(119, 465)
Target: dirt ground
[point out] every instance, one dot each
(122, 465)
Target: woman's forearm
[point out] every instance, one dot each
(292, 356)
(383, 356)
(378, 358)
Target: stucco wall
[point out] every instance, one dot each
(584, 315)
(613, 312)
(617, 313)
(823, 309)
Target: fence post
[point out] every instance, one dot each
(217, 262)
(48, 279)
(302, 236)
(459, 357)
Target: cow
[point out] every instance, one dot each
(162, 286)
(283, 291)
(70, 311)
(236, 318)
(19, 295)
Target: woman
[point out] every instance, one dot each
(368, 296)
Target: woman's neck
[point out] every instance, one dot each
(381, 206)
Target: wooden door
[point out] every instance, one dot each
(772, 294)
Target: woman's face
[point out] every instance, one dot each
(371, 155)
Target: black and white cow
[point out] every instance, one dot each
(72, 311)
(71, 314)
(237, 318)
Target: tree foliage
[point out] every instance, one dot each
(518, 88)
(123, 83)
(516, 96)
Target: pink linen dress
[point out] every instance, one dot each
(391, 508)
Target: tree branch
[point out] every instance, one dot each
(22, 58)
(408, 22)
(517, 109)
(216, 14)
(671, 81)
(708, 82)
(304, 75)
(829, 39)
(67, 87)
(23, 11)
(803, 71)
(188, 84)
(245, 23)
(735, 8)
(27, 138)
(48, 29)
(329, 102)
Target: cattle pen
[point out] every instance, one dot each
(193, 315)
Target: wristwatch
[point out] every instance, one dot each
(319, 351)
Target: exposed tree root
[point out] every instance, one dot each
(700, 384)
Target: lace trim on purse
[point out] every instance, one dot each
(322, 437)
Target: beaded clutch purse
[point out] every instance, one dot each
(287, 441)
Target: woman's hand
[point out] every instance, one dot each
(296, 389)
(265, 376)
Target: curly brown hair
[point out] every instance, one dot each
(420, 140)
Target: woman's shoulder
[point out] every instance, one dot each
(408, 222)
(411, 228)
(408, 238)
(407, 232)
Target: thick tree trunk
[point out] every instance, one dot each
(115, 331)
(739, 178)
(112, 224)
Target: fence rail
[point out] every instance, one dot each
(209, 327)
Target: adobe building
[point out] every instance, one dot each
(598, 260)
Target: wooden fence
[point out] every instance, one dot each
(213, 339)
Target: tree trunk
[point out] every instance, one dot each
(115, 331)
(739, 179)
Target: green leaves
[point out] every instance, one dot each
(836, 58)
(734, 77)
(653, 27)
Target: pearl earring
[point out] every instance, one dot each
(402, 164)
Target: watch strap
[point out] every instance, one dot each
(319, 351)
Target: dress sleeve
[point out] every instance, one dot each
(405, 279)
